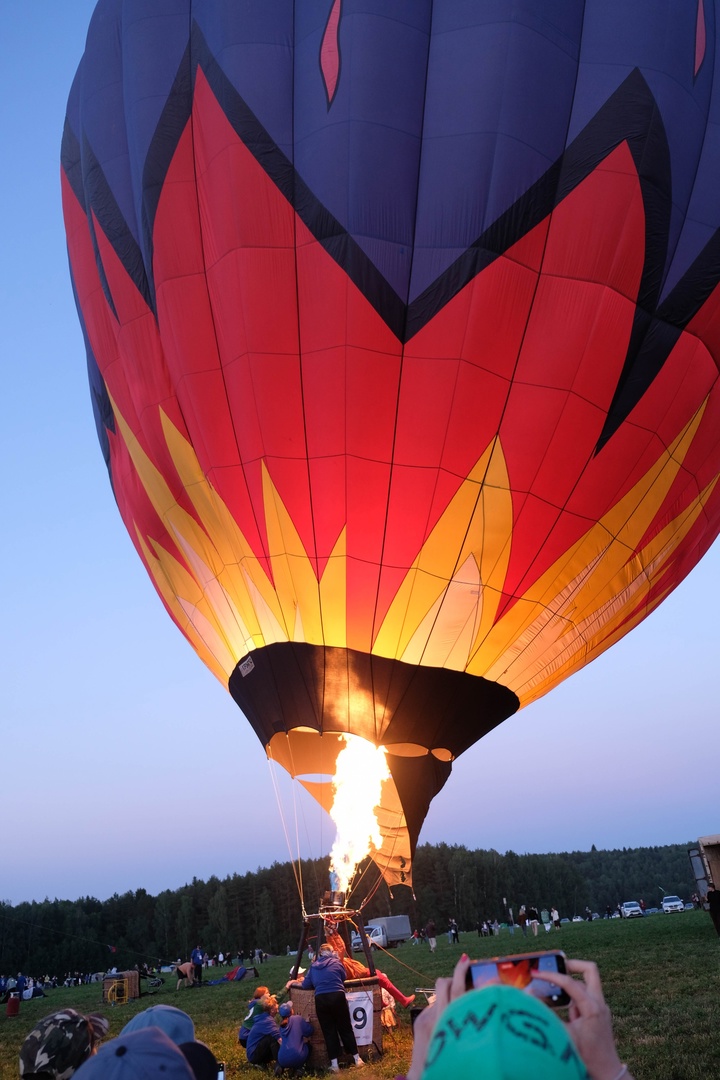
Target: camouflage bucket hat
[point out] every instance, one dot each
(60, 1043)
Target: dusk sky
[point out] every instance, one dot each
(125, 764)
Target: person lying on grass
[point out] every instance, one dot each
(502, 1032)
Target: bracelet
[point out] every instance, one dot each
(622, 1073)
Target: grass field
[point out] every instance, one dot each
(660, 976)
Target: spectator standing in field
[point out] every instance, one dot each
(326, 977)
(455, 934)
(431, 932)
(533, 920)
(197, 961)
(555, 916)
(522, 920)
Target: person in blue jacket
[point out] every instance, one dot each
(295, 1032)
(196, 957)
(263, 1041)
(326, 976)
(255, 1010)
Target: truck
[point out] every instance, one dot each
(396, 927)
(384, 933)
(377, 938)
(705, 862)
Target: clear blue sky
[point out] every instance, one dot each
(124, 764)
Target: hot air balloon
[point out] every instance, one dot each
(402, 330)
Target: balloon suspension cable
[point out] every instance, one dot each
(297, 848)
(294, 862)
(374, 889)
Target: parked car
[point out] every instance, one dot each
(376, 936)
(689, 906)
(631, 910)
(652, 911)
(671, 904)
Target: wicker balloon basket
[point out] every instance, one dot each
(304, 1005)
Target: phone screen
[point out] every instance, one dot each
(221, 1070)
(518, 971)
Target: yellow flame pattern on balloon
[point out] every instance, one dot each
(445, 612)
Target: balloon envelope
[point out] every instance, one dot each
(402, 329)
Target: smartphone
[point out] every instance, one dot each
(221, 1070)
(518, 971)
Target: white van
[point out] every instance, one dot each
(376, 936)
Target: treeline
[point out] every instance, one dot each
(262, 909)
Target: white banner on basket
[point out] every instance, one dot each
(361, 1015)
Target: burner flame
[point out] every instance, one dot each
(360, 771)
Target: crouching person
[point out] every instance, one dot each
(263, 1042)
(326, 976)
(255, 1011)
(295, 1033)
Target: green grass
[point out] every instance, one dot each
(659, 975)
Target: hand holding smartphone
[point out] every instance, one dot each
(518, 971)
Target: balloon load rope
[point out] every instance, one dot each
(295, 861)
(354, 916)
(332, 910)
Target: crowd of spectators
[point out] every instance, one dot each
(160, 1040)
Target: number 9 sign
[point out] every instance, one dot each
(360, 1003)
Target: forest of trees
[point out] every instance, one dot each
(262, 909)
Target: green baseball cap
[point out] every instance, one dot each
(501, 1033)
